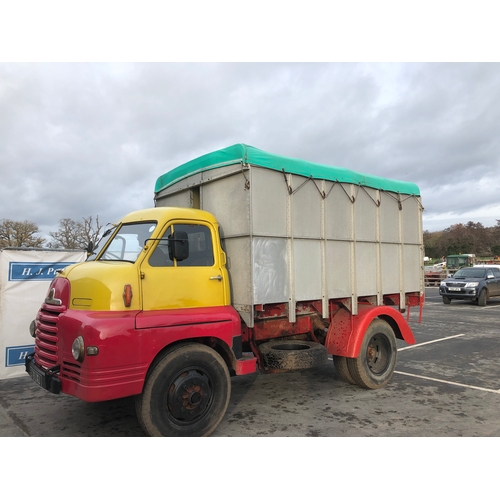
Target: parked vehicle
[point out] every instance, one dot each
(433, 275)
(455, 262)
(248, 261)
(477, 283)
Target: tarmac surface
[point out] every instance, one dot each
(448, 384)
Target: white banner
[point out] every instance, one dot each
(25, 276)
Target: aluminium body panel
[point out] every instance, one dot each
(291, 238)
(307, 271)
(271, 264)
(339, 269)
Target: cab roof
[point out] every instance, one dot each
(162, 213)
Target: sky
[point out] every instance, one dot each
(82, 137)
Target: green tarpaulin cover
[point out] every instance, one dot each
(241, 153)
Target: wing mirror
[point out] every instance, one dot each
(178, 247)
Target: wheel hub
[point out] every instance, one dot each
(189, 396)
(377, 354)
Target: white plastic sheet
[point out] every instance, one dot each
(25, 276)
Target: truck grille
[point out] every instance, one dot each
(47, 347)
(46, 342)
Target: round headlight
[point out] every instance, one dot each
(78, 349)
(33, 328)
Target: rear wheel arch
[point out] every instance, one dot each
(394, 325)
(344, 337)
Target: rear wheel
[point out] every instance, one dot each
(340, 363)
(186, 394)
(446, 300)
(374, 366)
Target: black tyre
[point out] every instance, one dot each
(292, 354)
(340, 363)
(374, 366)
(446, 300)
(186, 394)
(482, 300)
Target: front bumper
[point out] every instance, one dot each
(458, 292)
(48, 379)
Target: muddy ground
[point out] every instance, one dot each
(446, 385)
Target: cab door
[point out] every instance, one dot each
(192, 278)
(494, 284)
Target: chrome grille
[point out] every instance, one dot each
(46, 342)
(47, 349)
(455, 283)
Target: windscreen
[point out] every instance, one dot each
(470, 272)
(127, 243)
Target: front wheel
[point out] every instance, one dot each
(374, 366)
(186, 394)
(482, 300)
(446, 300)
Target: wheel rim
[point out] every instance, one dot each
(378, 354)
(189, 396)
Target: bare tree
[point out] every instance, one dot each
(74, 235)
(91, 230)
(19, 234)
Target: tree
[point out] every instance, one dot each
(456, 239)
(472, 237)
(19, 234)
(431, 244)
(73, 235)
(495, 239)
(481, 238)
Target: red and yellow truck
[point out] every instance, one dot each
(248, 261)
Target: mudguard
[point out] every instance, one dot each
(346, 332)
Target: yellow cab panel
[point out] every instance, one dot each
(138, 254)
(186, 266)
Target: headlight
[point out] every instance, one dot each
(78, 349)
(443, 283)
(33, 328)
(471, 284)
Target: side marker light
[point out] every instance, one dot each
(127, 295)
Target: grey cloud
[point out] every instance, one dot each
(85, 139)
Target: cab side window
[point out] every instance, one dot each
(200, 247)
(161, 255)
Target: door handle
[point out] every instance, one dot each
(218, 278)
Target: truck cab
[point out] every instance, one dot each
(157, 277)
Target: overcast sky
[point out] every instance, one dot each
(81, 139)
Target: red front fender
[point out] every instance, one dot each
(346, 331)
